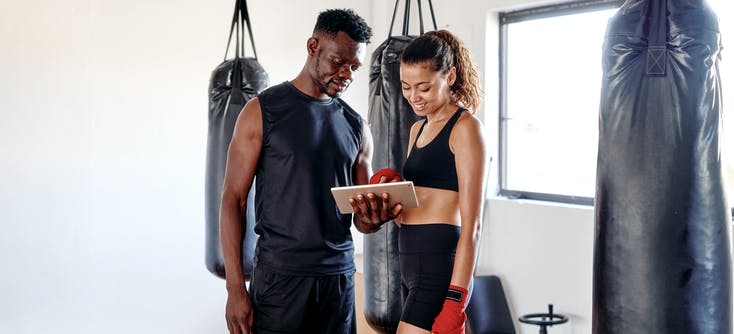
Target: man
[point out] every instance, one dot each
(300, 140)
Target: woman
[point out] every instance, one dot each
(439, 240)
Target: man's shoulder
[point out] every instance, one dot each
(277, 99)
(348, 110)
(275, 89)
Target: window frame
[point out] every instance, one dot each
(505, 18)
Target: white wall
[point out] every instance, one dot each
(103, 134)
(543, 254)
(103, 138)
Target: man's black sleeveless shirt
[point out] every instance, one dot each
(309, 146)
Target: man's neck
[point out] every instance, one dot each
(303, 83)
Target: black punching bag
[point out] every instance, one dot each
(662, 252)
(232, 84)
(390, 118)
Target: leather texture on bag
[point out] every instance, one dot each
(233, 83)
(662, 254)
(225, 103)
(390, 118)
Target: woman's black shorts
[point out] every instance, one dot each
(426, 262)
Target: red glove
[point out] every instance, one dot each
(389, 174)
(452, 318)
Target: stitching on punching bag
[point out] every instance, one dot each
(656, 60)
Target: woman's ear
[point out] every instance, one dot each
(451, 78)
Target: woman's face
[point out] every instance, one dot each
(425, 89)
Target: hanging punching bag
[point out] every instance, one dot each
(390, 118)
(662, 252)
(232, 84)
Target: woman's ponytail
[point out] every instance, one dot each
(466, 89)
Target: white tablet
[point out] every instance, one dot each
(400, 192)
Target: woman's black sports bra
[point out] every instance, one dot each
(433, 165)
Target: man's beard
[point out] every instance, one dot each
(324, 86)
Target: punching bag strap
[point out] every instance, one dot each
(392, 21)
(657, 37)
(420, 14)
(231, 28)
(236, 78)
(406, 17)
(240, 18)
(433, 15)
(246, 18)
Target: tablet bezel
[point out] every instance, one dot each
(401, 192)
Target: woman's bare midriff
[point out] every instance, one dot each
(435, 206)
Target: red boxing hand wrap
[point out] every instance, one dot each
(389, 174)
(452, 318)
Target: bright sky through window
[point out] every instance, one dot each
(553, 85)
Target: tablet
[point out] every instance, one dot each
(400, 192)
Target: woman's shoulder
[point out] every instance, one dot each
(468, 121)
(468, 128)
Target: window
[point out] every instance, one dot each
(549, 138)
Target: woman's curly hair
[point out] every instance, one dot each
(444, 50)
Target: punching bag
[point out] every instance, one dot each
(662, 252)
(232, 84)
(390, 118)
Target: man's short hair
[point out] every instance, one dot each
(333, 21)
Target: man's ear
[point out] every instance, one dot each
(312, 45)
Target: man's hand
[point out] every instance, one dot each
(239, 312)
(371, 211)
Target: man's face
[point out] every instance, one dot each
(335, 61)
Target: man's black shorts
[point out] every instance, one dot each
(302, 304)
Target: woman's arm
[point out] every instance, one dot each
(469, 147)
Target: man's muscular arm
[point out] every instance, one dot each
(373, 211)
(242, 159)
